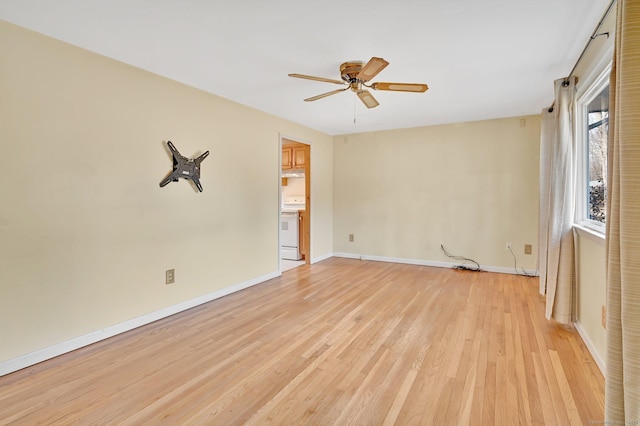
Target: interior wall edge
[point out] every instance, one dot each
(591, 347)
(50, 352)
(321, 258)
(436, 264)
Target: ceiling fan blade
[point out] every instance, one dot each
(372, 68)
(324, 95)
(310, 77)
(401, 87)
(367, 99)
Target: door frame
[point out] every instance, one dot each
(307, 182)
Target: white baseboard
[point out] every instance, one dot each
(44, 354)
(321, 258)
(422, 262)
(591, 347)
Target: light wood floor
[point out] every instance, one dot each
(339, 342)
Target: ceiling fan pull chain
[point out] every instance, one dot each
(354, 110)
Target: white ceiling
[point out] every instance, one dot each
(481, 59)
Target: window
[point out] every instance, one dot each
(598, 127)
(593, 127)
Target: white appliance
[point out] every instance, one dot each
(290, 228)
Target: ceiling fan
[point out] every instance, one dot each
(356, 74)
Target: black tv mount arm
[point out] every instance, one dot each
(183, 167)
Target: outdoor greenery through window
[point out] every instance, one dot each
(598, 127)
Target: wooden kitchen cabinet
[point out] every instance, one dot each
(293, 157)
(302, 232)
(287, 157)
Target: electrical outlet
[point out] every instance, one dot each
(350, 238)
(604, 316)
(508, 246)
(170, 276)
(527, 249)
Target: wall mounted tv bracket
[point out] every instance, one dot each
(183, 167)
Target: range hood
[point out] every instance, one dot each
(293, 173)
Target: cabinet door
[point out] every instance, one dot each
(287, 158)
(299, 153)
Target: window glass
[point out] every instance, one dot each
(597, 131)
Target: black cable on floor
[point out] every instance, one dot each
(462, 259)
(515, 266)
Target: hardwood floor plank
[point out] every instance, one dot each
(470, 382)
(565, 390)
(339, 342)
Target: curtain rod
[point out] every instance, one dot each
(594, 35)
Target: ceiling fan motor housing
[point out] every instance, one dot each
(349, 72)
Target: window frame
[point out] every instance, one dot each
(582, 153)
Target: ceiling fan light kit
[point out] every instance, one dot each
(356, 74)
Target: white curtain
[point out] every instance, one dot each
(622, 393)
(546, 145)
(557, 183)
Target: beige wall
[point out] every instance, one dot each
(470, 186)
(86, 233)
(591, 292)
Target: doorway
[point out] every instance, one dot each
(295, 196)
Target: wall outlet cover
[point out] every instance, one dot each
(170, 276)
